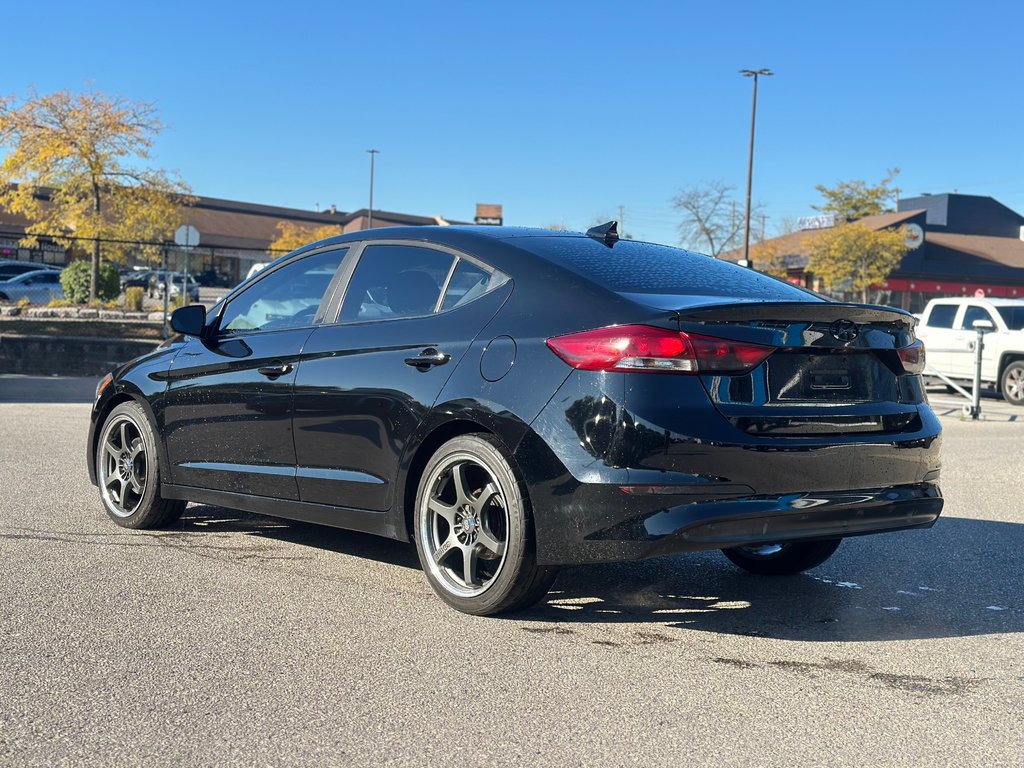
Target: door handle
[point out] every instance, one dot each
(427, 358)
(275, 370)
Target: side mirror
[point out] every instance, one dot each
(190, 320)
(983, 325)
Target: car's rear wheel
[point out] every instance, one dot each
(128, 471)
(473, 530)
(782, 558)
(1012, 385)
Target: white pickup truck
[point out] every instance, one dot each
(947, 330)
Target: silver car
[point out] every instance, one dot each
(39, 287)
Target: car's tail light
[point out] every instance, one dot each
(912, 357)
(645, 348)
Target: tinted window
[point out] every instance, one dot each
(43, 277)
(286, 298)
(941, 316)
(1013, 317)
(469, 282)
(393, 281)
(975, 313)
(630, 267)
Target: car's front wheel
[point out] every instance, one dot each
(128, 472)
(782, 558)
(473, 530)
(1012, 384)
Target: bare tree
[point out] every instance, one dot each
(786, 225)
(712, 218)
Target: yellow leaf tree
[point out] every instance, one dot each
(769, 258)
(291, 235)
(852, 200)
(852, 257)
(75, 167)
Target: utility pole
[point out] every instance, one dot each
(373, 153)
(754, 73)
(763, 219)
(622, 220)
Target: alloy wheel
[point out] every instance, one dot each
(123, 466)
(465, 529)
(1013, 389)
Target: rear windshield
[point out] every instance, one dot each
(630, 267)
(1013, 316)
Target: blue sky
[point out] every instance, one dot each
(561, 111)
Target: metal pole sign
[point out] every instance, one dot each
(166, 293)
(974, 411)
(187, 237)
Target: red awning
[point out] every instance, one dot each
(950, 288)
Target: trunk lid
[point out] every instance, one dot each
(835, 368)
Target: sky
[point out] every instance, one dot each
(560, 111)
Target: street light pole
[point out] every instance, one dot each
(754, 73)
(372, 153)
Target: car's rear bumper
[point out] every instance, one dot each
(606, 524)
(609, 483)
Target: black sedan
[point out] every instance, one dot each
(514, 400)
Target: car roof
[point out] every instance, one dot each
(449, 235)
(26, 275)
(994, 302)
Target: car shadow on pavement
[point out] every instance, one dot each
(960, 578)
(957, 579)
(205, 519)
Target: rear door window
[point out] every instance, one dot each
(973, 313)
(941, 316)
(1013, 316)
(395, 281)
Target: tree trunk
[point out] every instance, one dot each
(94, 273)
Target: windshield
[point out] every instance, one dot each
(1013, 316)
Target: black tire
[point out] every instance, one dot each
(783, 558)
(128, 471)
(1012, 383)
(473, 529)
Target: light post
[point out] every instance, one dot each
(372, 153)
(754, 73)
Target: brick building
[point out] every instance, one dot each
(958, 244)
(233, 235)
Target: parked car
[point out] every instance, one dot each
(135, 278)
(158, 280)
(213, 279)
(13, 267)
(39, 286)
(517, 400)
(947, 327)
(256, 268)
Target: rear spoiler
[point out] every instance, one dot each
(796, 311)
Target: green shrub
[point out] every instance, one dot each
(133, 298)
(75, 281)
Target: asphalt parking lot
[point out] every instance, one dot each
(234, 639)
